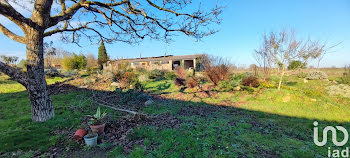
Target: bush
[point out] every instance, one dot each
(296, 65)
(316, 75)
(52, 72)
(301, 75)
(74, 62)
(216, 73)
(179, 82)
(156, 74)
(106, 75)
(345, 79)
(231, 83)
(169, 75)
(180, 73)
(250, 81)
(192, 82)
(226, 85)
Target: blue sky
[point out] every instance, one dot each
(244, 21)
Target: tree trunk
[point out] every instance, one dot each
(40, 100)
(281, 78)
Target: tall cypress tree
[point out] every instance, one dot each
(102, 55)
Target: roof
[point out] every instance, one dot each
(159, 58)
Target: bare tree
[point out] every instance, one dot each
(263, 58)
(216, 68)
(91, 61)
(109, 20)
(283, 47)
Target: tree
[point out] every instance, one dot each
(74, 61)
(283, 47)
(102, 55)
(108, 20)
(296, 64)
(91, 61)
(263, 58)
(9, 59)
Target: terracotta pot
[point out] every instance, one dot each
(79, 134)
(98, 128)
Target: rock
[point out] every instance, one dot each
(149, 102)
(286, 99)
(305, 80)
(115, 84)
(52, 72)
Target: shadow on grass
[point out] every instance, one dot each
(205, 130)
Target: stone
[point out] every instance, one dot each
(286, 99)
(115, 84)
(305, 80)
(149, 102)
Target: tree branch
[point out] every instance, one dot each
(14, 73)
(11, 35)
(8, 11)
(65, 28)
(67, 14)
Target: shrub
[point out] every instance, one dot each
(296, 65)
(52, 72)
(316, 75)
(216, 73)
(169, 75)
(301, 75)
(250, 81)
(345, 79)
(156, 74)
(119, 75)
(192, 82)
(226, 85)
(74, 62)
(215, 68)
(180, 73)
(143, 77)
(231, 83)
(106, 75)
(341, 89)
(179, 82)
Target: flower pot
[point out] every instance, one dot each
(98, 128)
(79, 134)
(91, 141)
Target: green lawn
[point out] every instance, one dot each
(267, 123)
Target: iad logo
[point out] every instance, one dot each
(334, 135)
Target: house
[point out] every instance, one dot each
(168, 62)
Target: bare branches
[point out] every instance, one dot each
(8, 11)
(11, 35)
(132, 21)
(283, 47)
(14, 73)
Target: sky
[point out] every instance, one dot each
(240, 33)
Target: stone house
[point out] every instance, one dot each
(168, 62)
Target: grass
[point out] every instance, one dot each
(266, 123)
